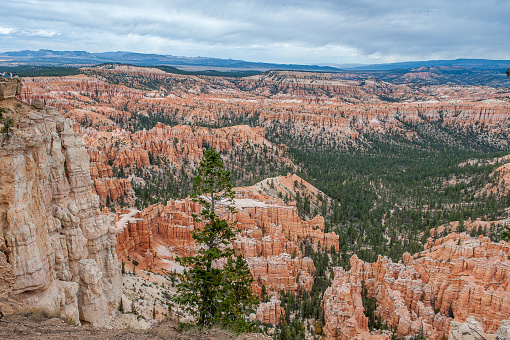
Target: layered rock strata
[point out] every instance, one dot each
(270, 238)
(300, 103)
(454, 278)
(59, 247)
(115, 153)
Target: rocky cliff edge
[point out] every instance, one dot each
(57, 251)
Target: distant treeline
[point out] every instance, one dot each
(234, 74)
(59, 71)
(41, 71)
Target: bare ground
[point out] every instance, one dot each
(29, 326)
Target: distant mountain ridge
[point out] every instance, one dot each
(83, 58)
(485, 64)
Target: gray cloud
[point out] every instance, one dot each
(322, 31)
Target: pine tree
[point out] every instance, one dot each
(238, 290)
(505, 234)
(7, 126)
(213, 294)
(450, 311)
(121, 306)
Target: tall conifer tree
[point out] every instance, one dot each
(213, 293)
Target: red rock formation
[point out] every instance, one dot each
(470, 275)
(343, 306)
(112, 188)
(270, 238)
(99, 167)
(104, 184)
(270, 312)
(282, 272)
(269, 229)
(170, 144)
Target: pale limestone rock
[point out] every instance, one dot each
(503, 332)
(469, 330)
(60, 250)
(473, 330)
(91, 298)
(10, 87)
(59, 297)
(26, 259)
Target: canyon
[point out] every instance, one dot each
(312, 108)
(76, 202)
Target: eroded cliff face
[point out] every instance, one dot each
(59, 248)
(456, 275)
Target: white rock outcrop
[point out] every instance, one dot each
(473, 330)
(60, 249)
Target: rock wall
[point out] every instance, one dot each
(273, 252)
(10, 87)
(113, 189)
(454, 278)
(104, 184)
(60, 248)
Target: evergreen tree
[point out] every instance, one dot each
(7, 126)
(505, 234)
(213, 294)
(121, 306)
(450, 311)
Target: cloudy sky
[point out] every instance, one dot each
(306, 32)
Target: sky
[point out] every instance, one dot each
(302, 32)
